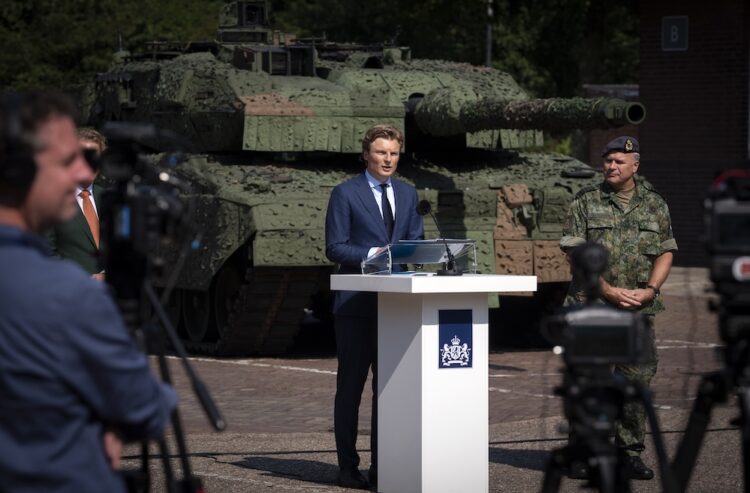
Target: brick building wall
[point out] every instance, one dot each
(697, 107)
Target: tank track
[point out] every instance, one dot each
(266, 313)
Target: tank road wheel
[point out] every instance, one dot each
(174, 309)
(196, 314)
(526, 313)
(226, 286)
(258, 313)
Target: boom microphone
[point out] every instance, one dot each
(424, 208)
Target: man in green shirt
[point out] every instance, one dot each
(631, 220)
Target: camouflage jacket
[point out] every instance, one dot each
(634, 237)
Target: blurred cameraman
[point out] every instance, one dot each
(631, 220)
(68, 368)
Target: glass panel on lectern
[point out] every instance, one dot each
(378, 263)
(423, 253)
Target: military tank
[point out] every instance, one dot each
(271, 123)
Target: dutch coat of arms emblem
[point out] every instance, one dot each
(456, 354)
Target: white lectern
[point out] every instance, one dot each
(433, 378)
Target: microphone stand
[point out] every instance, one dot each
(424, 207)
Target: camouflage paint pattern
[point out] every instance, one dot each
(280, 208)
(448, 111)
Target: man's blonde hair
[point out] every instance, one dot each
(87, 133)
(381, 131)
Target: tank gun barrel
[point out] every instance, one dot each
(446, 112)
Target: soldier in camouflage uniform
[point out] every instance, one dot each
(629, 218)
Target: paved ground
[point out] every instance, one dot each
(280, 411)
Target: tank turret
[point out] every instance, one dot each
(272, 123)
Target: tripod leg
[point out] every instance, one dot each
(553, 471)
(189, 483)
(139, 480)
(668, 480)
(606, 469)
(712, 389)
(166, 465)
(744, 401)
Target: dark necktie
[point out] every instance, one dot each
(387, 211)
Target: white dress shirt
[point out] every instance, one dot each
(377, 192)
(90, 188)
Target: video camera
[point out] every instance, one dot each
(602, 336)
(594, 333)
(145, 203)
(144, 212)
(727, 209)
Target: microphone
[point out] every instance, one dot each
(424, 208)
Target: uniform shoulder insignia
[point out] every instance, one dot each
(586, 190)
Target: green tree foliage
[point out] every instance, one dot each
(550, 46)
(59, 43)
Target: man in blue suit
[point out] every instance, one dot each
(364, 214)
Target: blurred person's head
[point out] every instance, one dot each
(92, 139)
(93, 144)
(41, 160)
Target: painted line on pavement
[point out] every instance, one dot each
(691, 346)
(550, 396)
(506, 375)
(244, 362)
(690, 343)
(527, 394)
(266, 484)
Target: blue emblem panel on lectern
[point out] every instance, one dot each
(455, 339)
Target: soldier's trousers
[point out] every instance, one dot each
(630, 432)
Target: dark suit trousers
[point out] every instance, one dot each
(356, 349)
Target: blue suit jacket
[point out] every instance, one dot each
(354, 224)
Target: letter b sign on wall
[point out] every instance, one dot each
(674, 33)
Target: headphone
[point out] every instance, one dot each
(17, 164)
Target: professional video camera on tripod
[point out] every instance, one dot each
(592, 338)
(728, 240)
(142, 213)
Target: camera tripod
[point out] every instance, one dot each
(593, 399)
(129, 273)
(151, 338)
(142, 214)
(716, 388)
